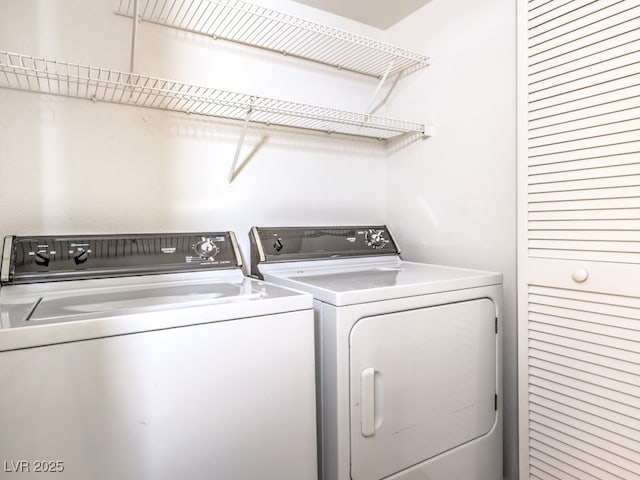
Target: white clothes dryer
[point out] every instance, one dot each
(408, 355)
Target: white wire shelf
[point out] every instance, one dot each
(41, 75)
(249, 24)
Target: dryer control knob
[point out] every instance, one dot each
(206, 248)
(375, 238)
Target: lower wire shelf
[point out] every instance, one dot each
(24, 72)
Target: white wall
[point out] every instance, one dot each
(72, 166)
(451, 198)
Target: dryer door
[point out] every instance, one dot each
(422, 382)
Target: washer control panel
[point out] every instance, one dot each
(315, 243)
(47, 258)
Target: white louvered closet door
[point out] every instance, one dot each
(579, 239)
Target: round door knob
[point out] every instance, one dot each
(580, 275)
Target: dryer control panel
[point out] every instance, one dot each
(48, 258)
(288, 244)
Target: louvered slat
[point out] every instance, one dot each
(586, 235)
(589, 204)
(602, 193)
(591, 256)
(604, 214)
(583, 164)
(593, 182)
(607, 171)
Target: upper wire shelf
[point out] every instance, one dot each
(41, 75)
(249, 24)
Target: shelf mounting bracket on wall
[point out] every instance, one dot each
(429, 130)
(134, 33)
(380, 83)
(245, 126)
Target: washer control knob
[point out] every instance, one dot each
(42, 258)
(580, 275)
(206, 248)
(375, 238)
(81, 256)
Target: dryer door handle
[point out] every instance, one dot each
(370, 395)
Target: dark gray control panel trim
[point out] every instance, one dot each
(67, 257)
(291, 244)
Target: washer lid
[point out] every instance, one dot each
(40, 314)
(143, 298)
(347, 283)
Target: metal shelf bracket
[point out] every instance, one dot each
(134, 34)
(243, 133)
(383, 79)
(429, 130)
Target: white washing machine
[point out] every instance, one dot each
(150, 357)
(408, 354)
